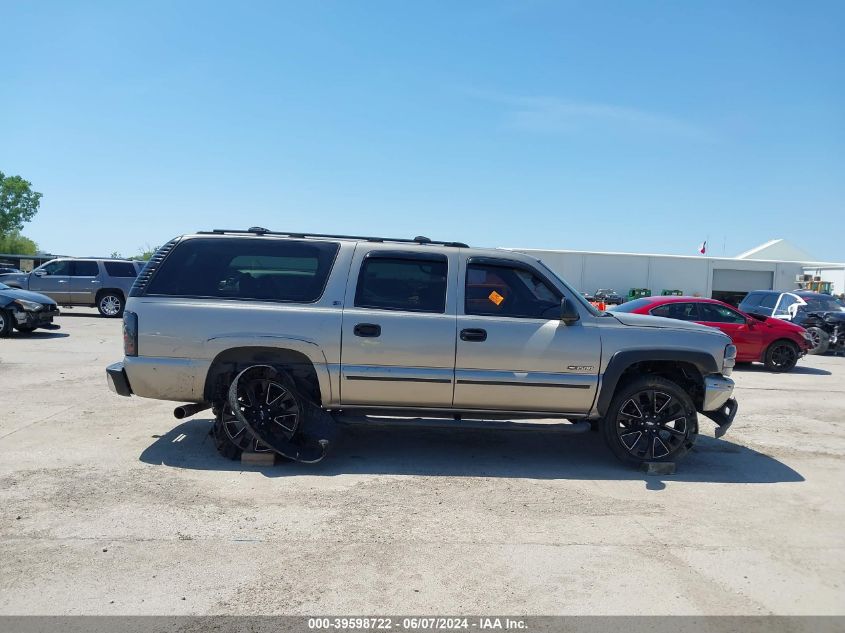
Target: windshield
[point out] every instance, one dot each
(630, 306)
(578, 296)
(821, 303)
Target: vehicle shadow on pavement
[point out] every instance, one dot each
(476, 453)
(798, 369)
(39, 334)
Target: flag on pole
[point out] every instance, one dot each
(703, 247)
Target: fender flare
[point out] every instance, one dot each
(622, 360)
(218, 345)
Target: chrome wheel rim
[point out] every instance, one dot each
(110, 305)
(652, 424)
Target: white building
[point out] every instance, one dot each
(775, 265)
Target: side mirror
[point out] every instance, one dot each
(568, 312)
(751, 321)
(39, 273)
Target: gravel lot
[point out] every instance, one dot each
(112, 506)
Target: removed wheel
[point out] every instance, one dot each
(232, 437)
(110, 304)
(819, 339)
(781, 356)
(5, 323)
(650, 419)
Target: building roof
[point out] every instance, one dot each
(778, 249)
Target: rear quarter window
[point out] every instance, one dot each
(120, 269)
(259, 269)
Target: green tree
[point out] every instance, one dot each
(18, 203)
(145, 253)
(16, 244)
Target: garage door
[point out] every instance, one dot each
(727, 280)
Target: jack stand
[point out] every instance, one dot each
(658, 468)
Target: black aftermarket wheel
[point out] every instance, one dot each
(232, 437)
(781, 356)
(650, 419)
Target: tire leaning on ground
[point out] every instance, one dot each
(110, 304)
(650, 419)
(5, 323)
(820, 338)
(781, 356)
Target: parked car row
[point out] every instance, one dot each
(100, 283)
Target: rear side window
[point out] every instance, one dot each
(258, 269)
(84, 269)
(402, 283)
(768, 301)
(120, 269)
(680, 311)
(752, 300)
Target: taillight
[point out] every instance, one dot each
(130, 334)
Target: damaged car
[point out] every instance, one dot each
(285, 335)
(25, 311)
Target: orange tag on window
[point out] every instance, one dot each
(495, 297)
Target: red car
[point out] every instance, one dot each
(776, 343)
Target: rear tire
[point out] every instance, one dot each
(5, 323)
(821, 340)
(110, 304)
(781, 356)
(231, 438)
(650, 419)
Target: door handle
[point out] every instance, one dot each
(369, 330)
(473, 334)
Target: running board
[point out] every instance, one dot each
(565, 428)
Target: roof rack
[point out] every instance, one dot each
(257, 230)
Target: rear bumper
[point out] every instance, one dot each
(118, 382)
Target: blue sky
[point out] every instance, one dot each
(625, 126)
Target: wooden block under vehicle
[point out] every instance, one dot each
(258, 459)
(658, 468)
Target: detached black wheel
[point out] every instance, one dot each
(110, 304)
(650, 419)
(232, 437)
(5, 323)
(781, 356)
(820, 340)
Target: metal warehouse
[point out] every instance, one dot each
(775, 265)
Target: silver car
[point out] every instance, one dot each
(280, 332)
(100, 283)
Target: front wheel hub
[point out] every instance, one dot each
(652, 425)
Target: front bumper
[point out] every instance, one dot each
(42, 318)
(118, 382)
(718, 404)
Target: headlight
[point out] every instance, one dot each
(730, 360)
(28, 306)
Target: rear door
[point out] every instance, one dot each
(53, 280)
(85, 281)
(513, 352)
(398, 343)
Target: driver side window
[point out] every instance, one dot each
(509, 291)
(56, 268)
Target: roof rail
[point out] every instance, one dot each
(257, 230)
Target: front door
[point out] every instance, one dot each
(747, 338)
(84, 282)
(52, 279)
(398, 341)
(513, 353)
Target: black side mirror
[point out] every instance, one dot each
(568, 312)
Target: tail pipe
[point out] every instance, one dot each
(187, 410)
